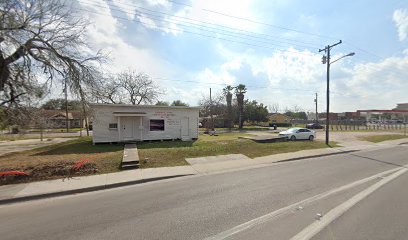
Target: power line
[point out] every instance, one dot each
(263, 23)
(204, 35)
(267, 24)
(226, 84)
(253, 21)
(233, 34)
(348, 43)
(284, 28)
(249, 34)
(241, 30)
(234, 41)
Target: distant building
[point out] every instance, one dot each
(347, 116)
(398, 114)
(401, 106)
(278, 118)
(58, 119)
(332, 116)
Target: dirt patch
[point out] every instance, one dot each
(49, 171)
(347, 137)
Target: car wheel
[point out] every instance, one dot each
(293, 138)
(311, 137)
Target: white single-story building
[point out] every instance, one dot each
(123, 123)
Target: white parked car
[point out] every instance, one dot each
(298, 133)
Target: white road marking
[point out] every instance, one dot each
(276, 213)
(336, 212)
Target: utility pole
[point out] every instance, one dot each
(317, 116)
(326, 60)
(211, 115)
(66, 106)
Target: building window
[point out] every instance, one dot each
(113, 126)
(156, 125)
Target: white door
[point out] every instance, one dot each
(128, 125)
(185, 129)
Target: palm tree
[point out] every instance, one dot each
(228, 96)
(240, 90)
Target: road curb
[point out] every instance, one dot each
(84, 190)
(135, 182)
(316, 156)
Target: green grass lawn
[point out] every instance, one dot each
(56, 161)
(381, 138)
(162, 154)
(245, 128)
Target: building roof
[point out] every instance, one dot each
(277, 114)
(384, 111)
(55, 113)
(143, 106)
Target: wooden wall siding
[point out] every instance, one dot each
(172, 118)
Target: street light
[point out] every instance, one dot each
(326, 60)
(348, 55)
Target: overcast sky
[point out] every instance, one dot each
(270, 46)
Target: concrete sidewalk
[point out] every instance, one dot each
(199, 166)
(7, 147)
(42, 189)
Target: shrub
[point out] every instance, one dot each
(280, 124)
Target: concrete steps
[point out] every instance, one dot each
(130, 158)
(129, 165)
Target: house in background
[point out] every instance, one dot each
(332, 116)
(127, 123)
(58, 119)
(278, 118)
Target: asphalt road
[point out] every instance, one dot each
(204, 206)
(382, 215)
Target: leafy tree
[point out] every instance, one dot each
(42, 39)
(162, 103)
(301, 115)
(59, 104)
(240, 90)
(296, 115)
(179, 103)
(254, 111)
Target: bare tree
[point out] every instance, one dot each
(107, 90)
(297, 108)
(216, 105)
(138, 87)
(42, 39)
(274, 108)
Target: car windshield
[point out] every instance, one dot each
(293, 129)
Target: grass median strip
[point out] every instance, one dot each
(161, 154)
(381, 138)
(58, 160)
